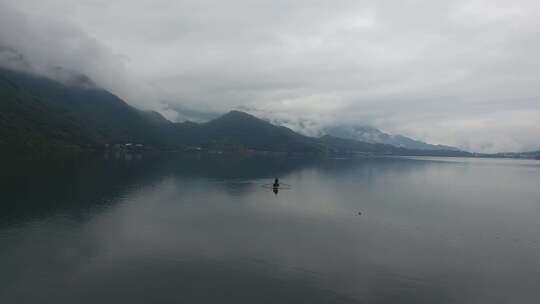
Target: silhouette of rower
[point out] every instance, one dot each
(275, 186)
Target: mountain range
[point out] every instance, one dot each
(357, 132)
(41, 115)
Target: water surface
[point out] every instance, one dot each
(207, 230)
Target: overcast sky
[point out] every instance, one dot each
(463, 73)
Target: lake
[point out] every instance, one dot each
(201, 229)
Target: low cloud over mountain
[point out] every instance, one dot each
(459, 73)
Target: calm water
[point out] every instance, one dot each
(188, 230)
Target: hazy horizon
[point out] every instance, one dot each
(464, 73)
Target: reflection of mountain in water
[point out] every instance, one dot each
(74, 185)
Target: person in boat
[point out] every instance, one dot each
(276, 183)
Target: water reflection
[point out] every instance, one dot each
(206, 230)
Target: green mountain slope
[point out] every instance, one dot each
(28, 124)
(36, 109)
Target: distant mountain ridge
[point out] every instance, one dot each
(359, 132)
(528, 154)
(374, 135)
(362, 133)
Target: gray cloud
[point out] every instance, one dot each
(460, 72)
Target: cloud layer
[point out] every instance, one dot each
(462, 73)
